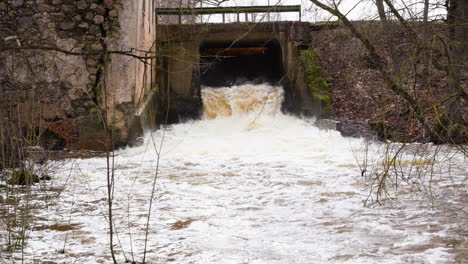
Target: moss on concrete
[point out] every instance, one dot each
(318, 83)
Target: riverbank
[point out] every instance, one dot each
(359, 94)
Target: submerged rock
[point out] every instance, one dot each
(46, 178)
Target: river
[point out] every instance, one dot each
(249, 184)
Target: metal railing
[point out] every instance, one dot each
(227, 10)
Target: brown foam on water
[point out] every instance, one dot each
(241, 100)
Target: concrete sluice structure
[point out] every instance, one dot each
(222, 55)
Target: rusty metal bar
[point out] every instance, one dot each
(235, 51)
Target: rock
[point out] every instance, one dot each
(90, 37)
(91, 63)
(116, 34)
(97, 46)
(356, 129)
(56, 2)
(46, 178)
(37, 16)
(100, 10)
(82, 5)
(23, 178)
(63, 34)
(67, 25)
(77, 18)
(68, 9)
(83, 25)
(3, 6)
(89, 16)
(93, 29)
(45, 34)
(113, 13)
(94, 57)
(88, 103)
(98, 19)
(92, 78)
(57, 17)
(25, 22)
(91, 70)
(16, 3)
(44, 7)
(108, 3)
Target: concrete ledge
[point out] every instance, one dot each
(329, 124)
(347, 128)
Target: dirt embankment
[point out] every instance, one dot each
(359, 93)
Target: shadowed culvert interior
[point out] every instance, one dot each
(227, 64)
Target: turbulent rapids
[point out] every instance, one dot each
(242, 100)
(246, 184)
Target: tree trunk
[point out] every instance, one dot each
(452, 124)
(426, 11)
(381, 9)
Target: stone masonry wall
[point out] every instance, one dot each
(54, 65)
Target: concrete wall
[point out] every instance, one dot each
(182, 44)
(129, 79)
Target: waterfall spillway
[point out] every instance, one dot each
(242, 100)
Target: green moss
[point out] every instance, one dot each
(23, 178)
(94, 121)
(94, 110)
(116, 134)
(382, 130)
(330, 24)
(127, 108)
(98, 90)
(318, 83)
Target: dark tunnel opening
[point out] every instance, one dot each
(227, 64)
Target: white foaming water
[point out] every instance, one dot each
(246, 184)
(243, 120)
(241, 101)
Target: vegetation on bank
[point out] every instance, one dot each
(402, 70)
(360, 95)
(317, 82)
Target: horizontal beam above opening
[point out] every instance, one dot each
(249, 51)
(228, 10)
